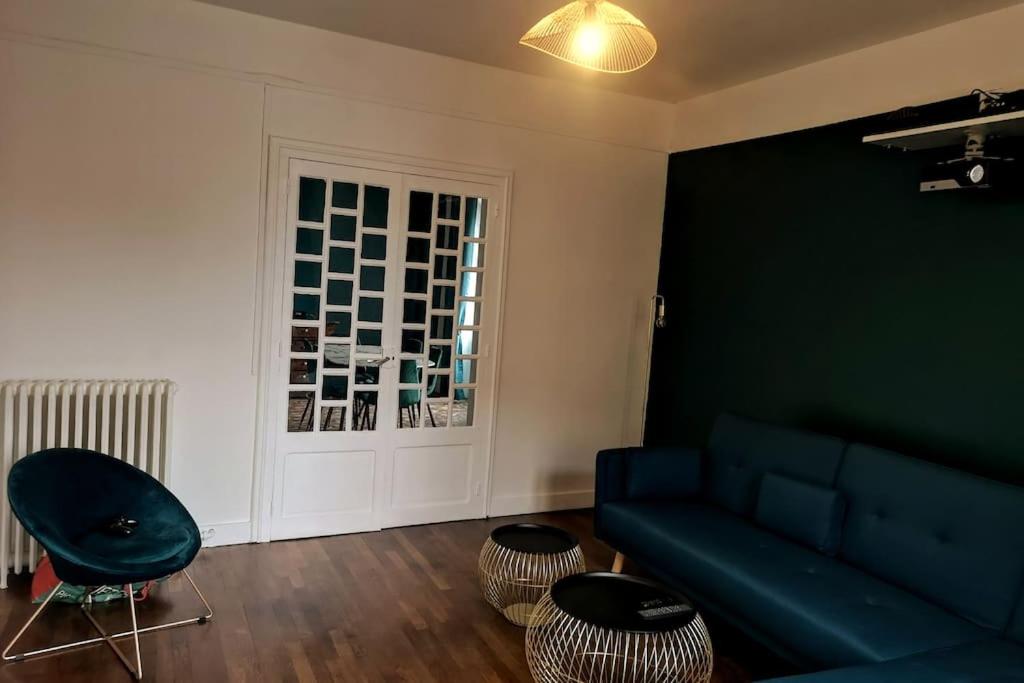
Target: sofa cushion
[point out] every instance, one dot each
(1015, 631)
(808, 514)
(986, 661)
(818, 607)
(950, 537)
(741, 450)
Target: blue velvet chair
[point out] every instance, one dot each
(102, 522)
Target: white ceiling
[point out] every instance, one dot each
(704, 45)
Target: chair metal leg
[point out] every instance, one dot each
(39, 610)
(431, 414)
(104, 637)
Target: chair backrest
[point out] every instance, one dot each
(946, 535)
(66, 492)
(741, 451)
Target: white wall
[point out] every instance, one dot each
(986, 51)
(132, 139)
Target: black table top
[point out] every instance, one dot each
(622, 602)
(535, 539)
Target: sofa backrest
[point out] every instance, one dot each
(950, 537)
(741, 450)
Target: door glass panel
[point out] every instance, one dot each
(412, 341)
(307, 273)
(447, 237)
(375, 247)
(473, 255)
(465, 371)
(409, 371)
(312, 195)
(335, 388)
(469, 313)
(441, 326)
(416, 280)
(438, 385)
(421, 206)
(371, 309)
(367, 374)
(305, 339)
(343, 228)
(409, 408)
(303, 371)
(414, 311)
(364, 413)
(332, 418)
(371, 278)
(375, 210)
(300, 411)
(417, 250)
(471, 284)
(437, 414)
(337, 355)
(338, 324)
(448, 207)
(369, 342)
(462, 407)
(444, 297)
(468, 342)
(306, 307)
(309, 241)
(476, 217)
(342, 260)
(440, 356)
(344, 195)
(339, 292)
(444, 267)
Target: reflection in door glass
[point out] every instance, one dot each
(312, 195)
(300, 411)
(437, 414)
(306, 307)
(462, 407)
(476, 217)
(364, 413)
(471, 284)
(420, 210)
(302, 371)
(473, 255)
(448, 207)
(305, 339)
(332, 418)
(335, 388)
(469, 341)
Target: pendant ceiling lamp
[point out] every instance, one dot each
(594, 34)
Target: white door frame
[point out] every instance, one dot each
(270, 288)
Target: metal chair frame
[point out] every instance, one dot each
(109, 639)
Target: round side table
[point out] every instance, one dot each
(601, 627)
(519, 562)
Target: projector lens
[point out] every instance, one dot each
(976, 174)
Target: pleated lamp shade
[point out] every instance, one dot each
(594, 34)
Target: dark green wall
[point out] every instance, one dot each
(809, 283)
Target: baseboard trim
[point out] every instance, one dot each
(229, 533)
(502, 506)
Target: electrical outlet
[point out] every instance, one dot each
(207, 534)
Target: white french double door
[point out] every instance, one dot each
(385, 376)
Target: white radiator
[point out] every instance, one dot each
(128, 419)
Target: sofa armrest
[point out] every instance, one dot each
(647, 474)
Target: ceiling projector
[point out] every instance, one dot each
(967, 172)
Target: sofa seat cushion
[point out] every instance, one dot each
(822, 609)
(987, 661)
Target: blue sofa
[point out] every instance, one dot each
(858, 563)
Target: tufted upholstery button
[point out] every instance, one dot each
(879, 514)
(870, 601)
(942, 538)
(810, 570)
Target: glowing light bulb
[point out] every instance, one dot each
(590, 40)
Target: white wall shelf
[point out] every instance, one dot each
(951, 134)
